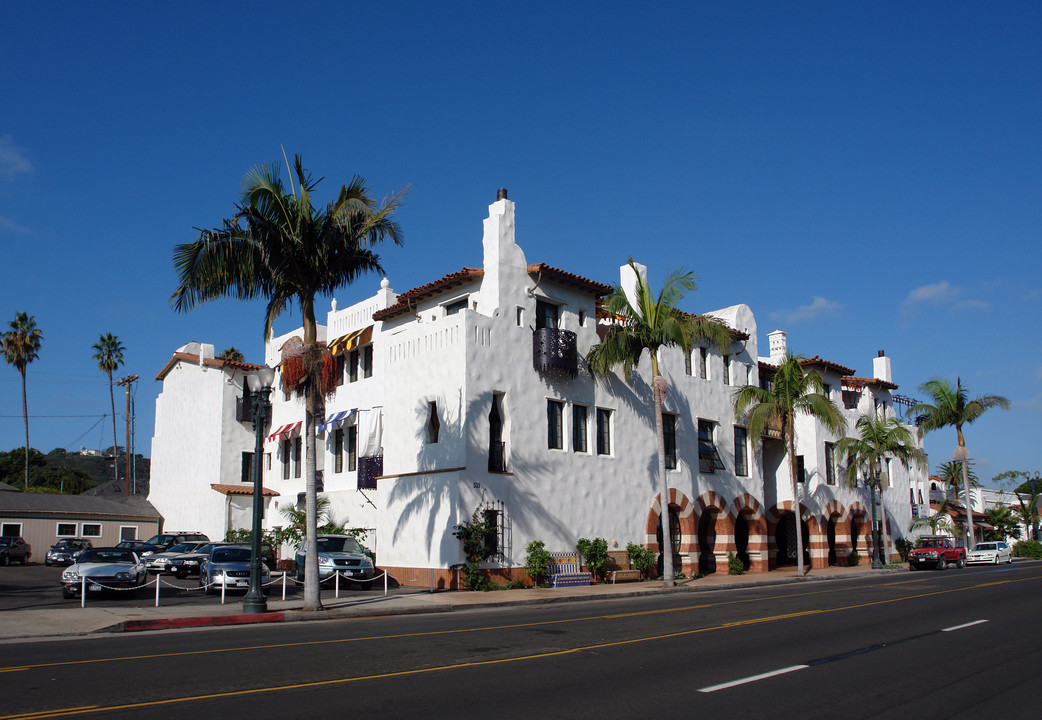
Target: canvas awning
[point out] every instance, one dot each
(336, 419)
(241, 490)
(346, 343)
(285, 431)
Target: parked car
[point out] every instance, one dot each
(138, 546)
(990, 552)
(228, 566)
(936, 551)
(108, 568)
(14, 548)
(156, 562)
(64, 551)
(339, 553)
(164, 541)
(188, 563)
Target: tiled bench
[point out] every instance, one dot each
(564, 571)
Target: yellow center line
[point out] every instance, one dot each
(84, 710)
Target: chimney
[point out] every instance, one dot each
(778, 345)
(881, 367)
(501, 194)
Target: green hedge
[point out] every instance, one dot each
(1028, 549)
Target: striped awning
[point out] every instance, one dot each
(285, 430)
(346, 343)
(335, 419)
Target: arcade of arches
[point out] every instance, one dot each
(705, 530)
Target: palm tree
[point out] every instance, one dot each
(644, 323)
(232, 353)
(940, 520)
(879, 437)
(21, 345)
(951, 407)
(791, 392)
(109, 354)
(951, 473)
(278, 246)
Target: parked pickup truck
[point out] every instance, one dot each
(938, 552)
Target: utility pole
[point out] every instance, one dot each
(125, 382)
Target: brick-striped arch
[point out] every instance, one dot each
(749, 507)
(814, 535)
(719, 538)
(861, 525)
(688, 544)
(838, 553)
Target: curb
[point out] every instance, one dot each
(189, 622)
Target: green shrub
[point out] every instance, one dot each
(735, 566)
(475, 550)
(854, 558)
(1028, 549)
(642, 558)
(537, 561)
(903, 547)
(595, 552)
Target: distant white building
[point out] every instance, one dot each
(470, 394)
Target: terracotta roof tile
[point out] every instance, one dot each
(598, 289)
(210, 362)
(861, 382)
(407, 300)
(828, 365)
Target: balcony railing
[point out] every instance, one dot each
(553, 351)
(369, 468)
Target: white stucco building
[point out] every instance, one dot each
(470, 393)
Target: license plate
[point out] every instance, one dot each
(242, 583)
(94, 586)
(349, 573)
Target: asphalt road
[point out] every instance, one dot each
(931, 644)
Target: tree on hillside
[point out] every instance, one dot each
(280, 247)
(108, 351)
(879, 437)
(950, 406)
(21, 345)
(645, 324)
(791, 392)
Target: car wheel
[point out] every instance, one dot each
(996, 560)
(5, 559)
(181, 575)
(25, 558)
(942, 563)
(960, 563)
(912, 568)
(67, 593)
(1009, 560)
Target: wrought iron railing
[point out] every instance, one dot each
(554, 351)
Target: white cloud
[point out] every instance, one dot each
(819, 308)
(13, 159)
(10, 226)
(941, 294)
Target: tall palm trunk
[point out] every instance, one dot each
(312, 594)
(115, 454)
(25, 417)
(963, 456)
(883, 535)
(657, 383)
(790, 439)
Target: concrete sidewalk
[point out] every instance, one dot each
(76, 621)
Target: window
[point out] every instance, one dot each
(850, 399)
(127, 532)
(433, 423)
(352, 448)
(352, 366)
(91, 530)
(669, 434)
(247, 468)
(741, 451)
(11, 529)
(579, 413)
(920, 496)
(826, 390)
(603, 431)
(554, 424)
(546, 315)
(296, 457)
(801, 470)
(727, 369)
(497, 461)
(367, 361)
(687, 363)
(582, 318)
(830, 464)
(520, 315)
(338, 450)
(492, 532)
(911, 496)
(66, 529)
(708, 458)
(285, 458)
(703, 363)
(454, 307)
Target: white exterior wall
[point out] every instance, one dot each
(197, 442)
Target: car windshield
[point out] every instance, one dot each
(335, 544)
(182, 547)
(161, 540)
(933, 543)
(230, 555)
(987, 546)
(5, 541)
(110, 555)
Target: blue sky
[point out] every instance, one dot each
(864, 176)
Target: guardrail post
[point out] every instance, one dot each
(337, 585)
(224, 585)
(283, 585)
(158, 576)
(385, 583)
(83, 591)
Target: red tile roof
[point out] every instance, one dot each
(828, 365)
(407, 300)
(567, 278)
(211, 362)
(861, 382)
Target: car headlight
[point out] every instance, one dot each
(70, 575)
(931, 554)
(191, 562)
(324, 560)
(122, 576)
(367, 562)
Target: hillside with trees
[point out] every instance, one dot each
(70, 473)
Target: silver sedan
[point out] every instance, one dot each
(990, 552)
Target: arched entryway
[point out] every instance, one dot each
(683, 536)
(674, 539)
(750, 533)
(785, 540)
(707, 541)
(741, 540)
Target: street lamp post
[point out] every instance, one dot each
(260, 388)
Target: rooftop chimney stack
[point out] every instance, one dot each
(881, 367)
(778, 345)
(501, 194)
